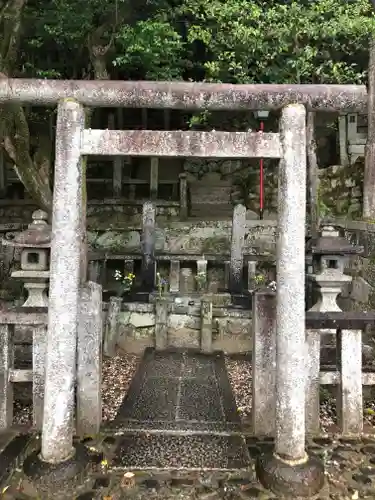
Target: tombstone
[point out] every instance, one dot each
(206, 326)
(201, 276)
(236, 253)
(174, 276)
(93, 272)
(251, 275)
(183, 196)
(187, 281)
(211, 195)
(148, 246)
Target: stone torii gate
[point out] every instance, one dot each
(59, 459)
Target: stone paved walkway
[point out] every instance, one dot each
(179, 391)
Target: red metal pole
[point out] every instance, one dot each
(261, 181)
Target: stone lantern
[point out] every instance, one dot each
(329, 253)
(34, 244)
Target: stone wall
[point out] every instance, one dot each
(202, 237)
(341, 190)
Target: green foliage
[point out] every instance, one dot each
(153, 46)
(213, 40)
(234, 41)
(279, 42)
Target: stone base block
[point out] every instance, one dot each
(66, 475)
(303, 480)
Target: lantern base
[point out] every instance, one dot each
(302, 480)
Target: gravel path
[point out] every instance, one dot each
(240, 377)
(118, 372)
(117, 375)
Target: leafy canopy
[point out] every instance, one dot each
(239, 41)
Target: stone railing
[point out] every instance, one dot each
(347, 374)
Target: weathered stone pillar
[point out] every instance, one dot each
(89, 360)
(290, 309)
(161, 324)
(65, 267)
(290, 471)
(40, 333)
(148, 246)
(264, 362)
(111, 327)
(68, 227)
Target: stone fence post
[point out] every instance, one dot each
(161, 323)
(264, 362)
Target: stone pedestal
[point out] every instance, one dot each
(36, 289)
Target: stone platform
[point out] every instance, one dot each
(179, 413)
(180, 391)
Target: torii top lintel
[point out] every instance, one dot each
(185, 95)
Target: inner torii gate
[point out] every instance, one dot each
(68, 251)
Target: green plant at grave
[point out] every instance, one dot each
(161, 285)
(126, 281)
(201, 279)
(259, 279)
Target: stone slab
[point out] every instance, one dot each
(12, 449)
(141, 451)
(179, 391)
(348, 320)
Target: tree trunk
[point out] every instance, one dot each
(33, 171)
